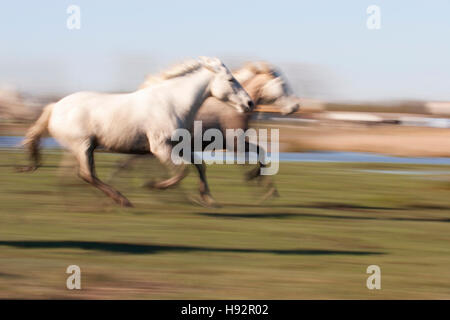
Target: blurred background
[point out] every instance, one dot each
(352, 80)
(364, 177)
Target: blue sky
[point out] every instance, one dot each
(323, 46)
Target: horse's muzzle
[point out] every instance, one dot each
(250, 106)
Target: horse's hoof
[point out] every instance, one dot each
(205, 201)
(210, 201)
(157, 185)
(252, 174)
(126, 203)
(272, 193)
(26, 169)
(275, 193)
(149, 184)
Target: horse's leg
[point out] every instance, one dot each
(163, 153)
(124, 165)
(256, 172)
(66, 166)
(177, 175)
(85, 157)
(205, 193)
(261, 155)
(178, 172)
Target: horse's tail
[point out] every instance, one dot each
(33, 136)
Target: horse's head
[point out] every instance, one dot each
(269, 87)
(225, 87)
(276, 91)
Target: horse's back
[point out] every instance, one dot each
(85, 115)
(216, 114)
(92, 100)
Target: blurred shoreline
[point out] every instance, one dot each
(389, 139)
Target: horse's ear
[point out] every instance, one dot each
(249, 65)
(261, 67)
(211, 64)
(206, 60)
(203, 59)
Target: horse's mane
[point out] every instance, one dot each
(261, 67)
(181, 69)
(175, 71)
(188, 66)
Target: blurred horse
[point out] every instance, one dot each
(141, 122)
(266, 86)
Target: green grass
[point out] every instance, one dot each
(314, 242)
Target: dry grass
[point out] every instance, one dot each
(392, 140)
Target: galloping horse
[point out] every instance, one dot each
(140, 122)
(265, 85)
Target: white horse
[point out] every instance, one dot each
(139, 122)
(266, 86)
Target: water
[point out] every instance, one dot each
(357, 157)
(50, 143)
(15, 141)
(409, 172)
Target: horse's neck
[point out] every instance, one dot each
(253, 87)
(189, 93)
(243, 75)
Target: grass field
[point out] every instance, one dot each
(314, 242)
